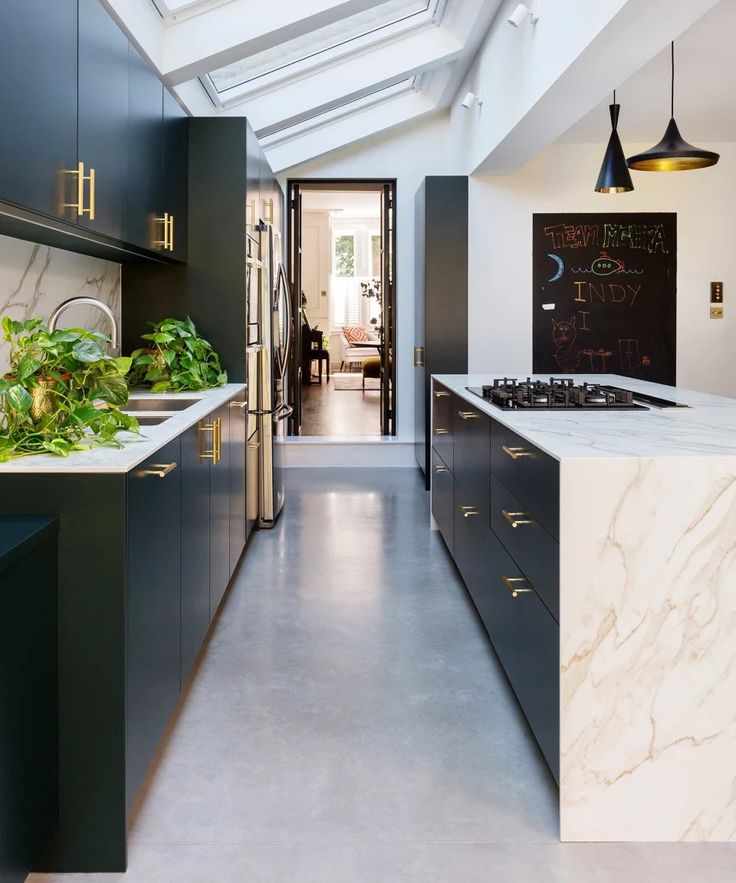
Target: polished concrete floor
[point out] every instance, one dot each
(349, 723)
(340, 412)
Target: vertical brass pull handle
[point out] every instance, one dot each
(211, 454)
(160, 470)
(78, 206)
(418, 356)
(517, 518)
(93, 197)
(164, 243)
(517, 585)
(171, 232)
(515, 453)
(218, 440)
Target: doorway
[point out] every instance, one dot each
(342, 259)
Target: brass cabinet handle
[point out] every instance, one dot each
(441, 394)
(208, 455)
(218, 441)
(79, 204)
(418, 356)
(171, 232)
(517, 585)
(515, 453)
(440, 431)
(468, 415)
(165, 241)
(161, 470)
(470, 511)
(439, 469)
(238, 404)
(517, 518)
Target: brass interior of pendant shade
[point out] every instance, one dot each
(670, 163)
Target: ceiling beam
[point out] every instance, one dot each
(225, 34)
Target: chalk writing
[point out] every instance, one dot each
(572, 235)
(644, 237)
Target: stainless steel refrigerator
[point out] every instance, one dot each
(273, 349)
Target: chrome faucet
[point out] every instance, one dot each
(92, 302)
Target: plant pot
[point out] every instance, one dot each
(42, 400)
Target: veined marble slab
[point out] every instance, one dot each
(136, 448)
(647, 613)
(35, 279)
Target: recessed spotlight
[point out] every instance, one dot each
(521, 14)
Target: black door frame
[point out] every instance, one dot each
(293, 239)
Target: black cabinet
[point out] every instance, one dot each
(103, 123)
(472, 452)
(153, 606)
(441, 304)
(38, 102)
(443, 499)
(238, 494)
(443, 403)
(175, 167)
(28, 693)
(220, 509)
(145, 226)
(196, 454)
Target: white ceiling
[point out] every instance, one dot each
(705, 93)
(351, 204)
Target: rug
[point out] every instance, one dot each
(355, 381)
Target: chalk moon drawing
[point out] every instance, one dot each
(560, 267)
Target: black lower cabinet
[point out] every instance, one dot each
(443, 509)
(195, 543)
(220, 509)
(238, 494)
(153, 606)
(28, 693)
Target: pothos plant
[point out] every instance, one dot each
(62, 392)
(177, 359)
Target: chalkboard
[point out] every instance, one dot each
(605, 294)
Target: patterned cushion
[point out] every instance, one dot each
(354, 333)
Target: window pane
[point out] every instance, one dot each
(376, 256)
(344, 256)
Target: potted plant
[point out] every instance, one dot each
(178, 359)
(62, 391)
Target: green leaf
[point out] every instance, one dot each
(7, 327)
(64, 335)
(27, 366)
(88, 351)
(122, 363)
(161, 337)
(161, 386)
(59, 446)
(19, 399)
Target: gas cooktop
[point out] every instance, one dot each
(558, 394)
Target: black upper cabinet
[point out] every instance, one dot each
(175, 169)
(145, 226)
(103, 121)
(38, 102)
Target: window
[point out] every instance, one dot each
(376, 256)
(344, 257)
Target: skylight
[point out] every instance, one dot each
(319, 42)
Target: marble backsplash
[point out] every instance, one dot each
(34, 279)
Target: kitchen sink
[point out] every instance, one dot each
(149, 419)
(146, 404)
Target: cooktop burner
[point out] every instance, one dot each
(556, 394)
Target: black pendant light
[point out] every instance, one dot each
(614, 175)
(673, 153)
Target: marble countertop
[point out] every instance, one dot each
(136, 448)
(705, 429)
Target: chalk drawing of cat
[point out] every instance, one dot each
(567, 355)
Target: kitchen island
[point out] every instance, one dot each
(150, 535)
(599, 548)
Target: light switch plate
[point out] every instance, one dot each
(716, 312)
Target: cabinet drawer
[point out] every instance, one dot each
(533, 548)
(442, 402)
(532, 476)
(471, 437)
(442, 498)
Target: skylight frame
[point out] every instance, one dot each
(297, 68)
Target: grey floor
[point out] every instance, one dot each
(340, 412)
(349, 723)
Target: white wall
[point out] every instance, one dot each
(407, 155)
(34, 279)
(561, 179)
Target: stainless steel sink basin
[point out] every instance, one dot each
(171, 404)
(148, 419)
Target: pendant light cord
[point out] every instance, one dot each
(672, 86)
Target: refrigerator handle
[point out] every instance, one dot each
(287, 346)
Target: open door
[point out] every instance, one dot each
(295, 288)
(388, 307)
